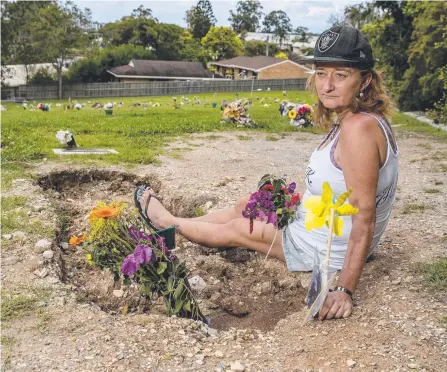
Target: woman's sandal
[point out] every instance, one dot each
(138, 194)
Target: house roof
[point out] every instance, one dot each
(252, 63)
(249, 63)
(161, 69)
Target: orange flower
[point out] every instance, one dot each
(104, 212)
(75, 240)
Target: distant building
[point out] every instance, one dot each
(260, 67)
(287, 44)
(146, 70)
(16, 74)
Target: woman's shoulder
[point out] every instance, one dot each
(360, 122)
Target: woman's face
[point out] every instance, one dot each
(336, 85)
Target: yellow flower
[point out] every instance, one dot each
(89, 260)
(319, 209)
(292, 114)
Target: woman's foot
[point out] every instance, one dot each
(157, 213)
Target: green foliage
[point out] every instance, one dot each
(435, 273)
(200, 19)
(15, 306)
(58, 34)
(123, 244)
(247, 16)
(223, 43)
(258, 48)
(43, 76)
(278, 23)
(410, 45)
(94, 68)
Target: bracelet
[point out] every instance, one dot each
(343, 289)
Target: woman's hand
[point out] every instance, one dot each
(337, 305)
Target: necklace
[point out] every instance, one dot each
(334, 130)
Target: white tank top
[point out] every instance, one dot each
(322, 167)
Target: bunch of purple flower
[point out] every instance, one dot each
(274, 201)
(144, 251)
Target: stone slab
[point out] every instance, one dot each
(84, 151)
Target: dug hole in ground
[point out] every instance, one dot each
(256, 308)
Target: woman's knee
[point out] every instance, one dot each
(240, 204)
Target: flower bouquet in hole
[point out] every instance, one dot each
(324, 210)
(118, 240)
(275, 202)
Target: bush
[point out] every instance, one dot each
(43, 76)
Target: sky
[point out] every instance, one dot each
(311, 14)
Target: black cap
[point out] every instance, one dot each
(343, 44)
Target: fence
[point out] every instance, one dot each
(43, 92)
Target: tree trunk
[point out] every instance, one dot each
(59, 75)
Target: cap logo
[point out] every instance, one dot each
(362, 55)
(327, 40)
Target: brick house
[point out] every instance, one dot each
(260, 67)
(140, 71)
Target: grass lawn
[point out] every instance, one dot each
(137, 134)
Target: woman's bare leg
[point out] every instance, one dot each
(225, 215)
(234, 233)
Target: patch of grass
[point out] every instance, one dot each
(443, 318)
(426, 146)
(175, 155)
(16, 305)
(244, 138)
(13, 220)
(408, 123)
(444, 239)
(435, 273)
(413, 208)
(43, 320)
(11, 202)
(7, 343)
(443, 167)
(212, 137)
(272, 138)
(432, 191)
(12, 171)
(200, 211)
(437, 183)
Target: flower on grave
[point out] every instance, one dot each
(319, 209)
(76, 240)
(275, 202)
(119, 240)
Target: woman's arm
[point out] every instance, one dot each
(359, 158)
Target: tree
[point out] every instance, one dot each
(17, 39)
(258, 48)
(142, 12)
(94, 69)
(278, 23)
(200, 19)
(222, 42)
(130, 30)
(59, 34)
(303, 35)
(361, 14)
(421, 85)
(390, 38)
(247, 17)
(336, 20)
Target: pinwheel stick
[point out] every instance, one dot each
(329, 238)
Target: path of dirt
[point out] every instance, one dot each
(396, 323)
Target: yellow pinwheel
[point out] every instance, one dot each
(319, 210)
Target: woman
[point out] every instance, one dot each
(360, 152)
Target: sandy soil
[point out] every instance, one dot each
(257, 308)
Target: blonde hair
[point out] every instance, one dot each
(375, 100)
